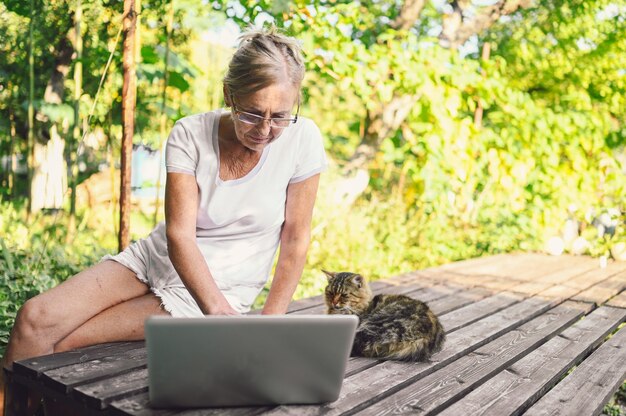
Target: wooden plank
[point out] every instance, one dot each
(100, 393)
(432, 393)
(65, 378)
(390, 376)
(577, 266)
(34, 367)
(530, 288)
(471, 313)
(138, 405)
(618, 301)
(437, 275)
(73, 407)
(515, 266)
(458, 300)
(473, 263)
(408, 288)
(15, 395)
(496, 283)
(515, 389)
(604, 290)
(523, 266)
(559, 292)
(590, 386)
(414, 276)
(540, 266)
(586, 280)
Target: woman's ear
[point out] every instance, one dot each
(329, 275)
(227, 96)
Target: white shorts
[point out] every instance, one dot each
(149, 260)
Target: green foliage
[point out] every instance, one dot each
(617, 405)
(442, 185)
(35, 257)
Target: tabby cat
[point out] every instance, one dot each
(394, 327)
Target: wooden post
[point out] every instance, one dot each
(129, 95)
(15, 396)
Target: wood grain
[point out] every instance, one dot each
(590, 386)
(434, 392)
(515, 389)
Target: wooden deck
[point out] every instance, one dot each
(526, 334)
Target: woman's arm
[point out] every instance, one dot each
(181, 209)
(294, 243)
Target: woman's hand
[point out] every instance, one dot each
(222, 308)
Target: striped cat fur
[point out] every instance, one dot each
(391, 327)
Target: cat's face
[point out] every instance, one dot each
(346, 293)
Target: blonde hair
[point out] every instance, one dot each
(264, 57)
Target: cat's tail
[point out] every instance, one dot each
(438, 338)
(411, 350)
(415, 350)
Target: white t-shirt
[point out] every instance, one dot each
(239, 221)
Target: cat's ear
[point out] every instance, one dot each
(329, 275)
(357, 279)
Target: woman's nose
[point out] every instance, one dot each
(264, 127)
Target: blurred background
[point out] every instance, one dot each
(455, 129)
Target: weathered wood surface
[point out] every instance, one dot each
(525, 333)
(511, 390)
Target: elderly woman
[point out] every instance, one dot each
(239, 182)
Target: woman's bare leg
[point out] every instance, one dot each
(122, 322)
(48, 318)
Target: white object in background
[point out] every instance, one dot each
(555, 246)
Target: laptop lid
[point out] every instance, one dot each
(218, 361)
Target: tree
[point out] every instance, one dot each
(129, 92)
(407, 80)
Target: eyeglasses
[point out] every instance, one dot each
(255, 120)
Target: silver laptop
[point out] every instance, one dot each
(218, 361)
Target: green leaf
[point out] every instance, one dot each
(177, 80)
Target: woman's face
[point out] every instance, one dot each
(276, 101)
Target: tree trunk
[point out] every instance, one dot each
(129, 91)
(409, 13)
(459, 27)
(31, 109)
(12, 162)
(76, 132)
(380, 124)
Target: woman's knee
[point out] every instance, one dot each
(33, 322)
